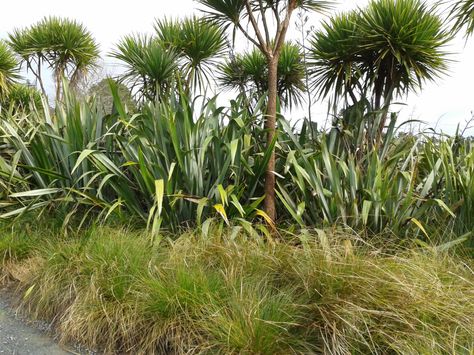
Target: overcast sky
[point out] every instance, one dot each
(445, 103)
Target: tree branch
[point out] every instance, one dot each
(37, 74)
(246, 34)
(256, 28)
(283, 28)
(276, 13)
(264, 20)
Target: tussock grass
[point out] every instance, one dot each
(333, 294)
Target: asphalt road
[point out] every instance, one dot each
(16, 337)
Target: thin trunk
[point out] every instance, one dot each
(374, 128)
(378, 89)
(308, 91)
(305, 62)
(270, 126)
(59, 77)
(352, 95)
(388, 89)
(388, 93)
(58, 87)
(40, 81)
(272, 61)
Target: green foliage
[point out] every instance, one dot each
(224, 12)
(248, 74)
(183, 53)
(335, 63)
(388, 48)
(64, 45)
(8, 69)
(407, 184)
(463, 14)
(180, 162)
(232, 12)
(44, 154)
(199, 44)
(22, 97)
(233, 285)
(150, 68)
(200, 161)
(198, 164)
(227, 292)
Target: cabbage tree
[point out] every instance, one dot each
(181, 51)
(264, 23)
(150, 68)
(385, 50)
(199, 45)
(65, 46)
(248, 73)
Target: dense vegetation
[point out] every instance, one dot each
(235, 229)
(174, 165)
(220, 293)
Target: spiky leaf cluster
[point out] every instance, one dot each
(182, 51)
(65, 45)
(8, 69)
(388, 48)
(463, 14)
(248, 73)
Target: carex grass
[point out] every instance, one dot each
(220, 292)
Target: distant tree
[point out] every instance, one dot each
(255, 19)
(8, 69)
(101, 90)
(63, 45)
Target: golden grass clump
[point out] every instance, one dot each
(315, 293)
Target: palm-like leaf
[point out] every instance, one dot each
(391, 46)
(227, 12)
(65, 45)
(8, 69)
(199, 43)
(334, 55)
(168, 32)
(224, 12)
(254, 68)
(315, 5)
(463, 13)
(151, 68)
(28, 45)
(72, 47)
(249, 72)
(405, 40)
(23, 44)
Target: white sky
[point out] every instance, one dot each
(445, 103)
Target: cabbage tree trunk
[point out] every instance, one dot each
(270, 126)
